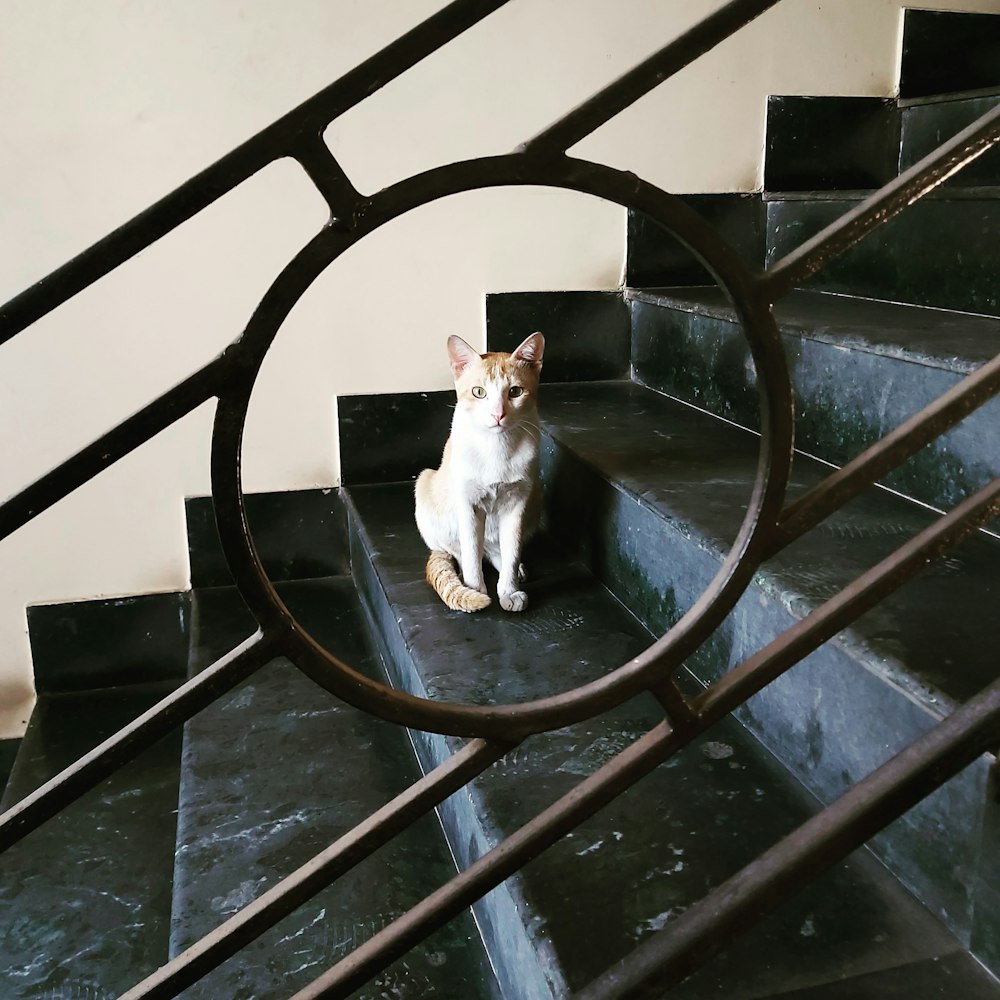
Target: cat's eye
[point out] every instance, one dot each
(515, 391)
(479, 392)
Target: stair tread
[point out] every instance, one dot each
(696, 472)
(716, 805)
(85, 899)
(939, 338)
(274, 772)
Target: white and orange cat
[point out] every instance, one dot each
(485, 499)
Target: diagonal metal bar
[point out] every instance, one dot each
(110, 447)
(325, 868)
(671, 954)
(756, 672)
(138, 735)
(883, 205)
(490, 870)
(269, 144)
(887, 454)
(628, 88)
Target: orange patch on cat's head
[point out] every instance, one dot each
(524, 361)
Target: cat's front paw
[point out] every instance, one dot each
(517, 600)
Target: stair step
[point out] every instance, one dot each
(651, 852)
(651, 491)
(816, 143)
(843, 353)
(85, 899)
(926, 125)
(655, 258)
(941, 252)
(271, 775)
(298, 535)
(948, 51)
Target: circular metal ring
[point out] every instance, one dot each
(515, 721)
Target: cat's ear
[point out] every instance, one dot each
(461, 355)
(531, 350)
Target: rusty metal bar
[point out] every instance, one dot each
(491, 869)
(138, 735)
(326, 867)
(628, 88)
(886, 203)
(269, 144)
(757, 671)
(671, 954)
(886, 454)
(108, 448)
(678, 709)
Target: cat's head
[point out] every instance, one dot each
(497, 390)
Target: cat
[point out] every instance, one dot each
(485, 498)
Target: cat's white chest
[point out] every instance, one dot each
(494, 472)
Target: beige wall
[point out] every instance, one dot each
(106, 106)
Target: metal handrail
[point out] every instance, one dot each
(771, 524)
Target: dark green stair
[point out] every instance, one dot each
(85, 899)
(591, 897)
(858, 367)
(942, 252)
(651, 493)
(927, 122)
(275, 772)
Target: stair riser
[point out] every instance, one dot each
(298, 534)
(656, 259)
(586, 333)
(939, 252)
(706, 361)
(517, 961)
(85, 645)
(824, 739)
(830, 143)
(948, 51)
(925, 127)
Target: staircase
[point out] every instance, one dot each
(650, 442)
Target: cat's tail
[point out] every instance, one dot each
(441, 575)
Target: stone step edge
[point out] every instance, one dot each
(950, 97)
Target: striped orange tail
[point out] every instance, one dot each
(441, 575)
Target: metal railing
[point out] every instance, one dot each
(769, 526)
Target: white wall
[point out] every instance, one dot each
(106, 106)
